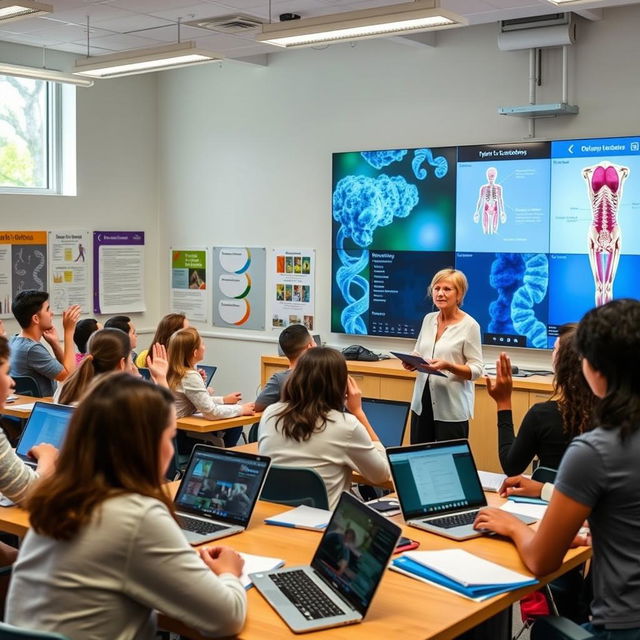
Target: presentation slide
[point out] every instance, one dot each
(503, 198)
(507, 296)
(595, 196)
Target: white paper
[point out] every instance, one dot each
(27, 408)
(302, 517)
(257, 564)
(465, 568)
(491, 481)
(525, 509)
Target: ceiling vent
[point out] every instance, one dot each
(234, 23)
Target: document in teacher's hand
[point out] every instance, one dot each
(418, 362)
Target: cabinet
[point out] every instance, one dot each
(388, 380)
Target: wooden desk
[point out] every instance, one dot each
(11, 409)
(203, 425)
(388, 380)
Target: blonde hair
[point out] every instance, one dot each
(182, 344)
(457, 278)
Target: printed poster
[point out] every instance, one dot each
(70, 275)
(238, 283)
(292, 291)
(118, 272)
(188, 292)
(23, 265)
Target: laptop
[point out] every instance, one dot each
(48, 423)
(339, 585)
(218, 492)
(438, 487)
(209, 371)
(388, 419)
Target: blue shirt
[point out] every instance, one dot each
(31, 358)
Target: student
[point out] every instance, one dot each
(598, 479)
(548, 427)
(104, 551)
(29, 357)
(309, 428)
(124, 324)
(171, 323)
(81, 335)
(294, 340)
(186, 349)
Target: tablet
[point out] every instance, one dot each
(418, 362)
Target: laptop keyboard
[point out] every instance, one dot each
(456, 520)
(305, 595)
(202, 527)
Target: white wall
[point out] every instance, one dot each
(116, 155)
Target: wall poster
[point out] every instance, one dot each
(292, 289)
(188, 293)
(70, 270)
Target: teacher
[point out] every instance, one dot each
(449, 341)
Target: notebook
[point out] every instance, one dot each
(218, 492)
(339, 585)
(47, 423)
(388, 419)
(438, 487)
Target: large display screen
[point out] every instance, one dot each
(543, 231)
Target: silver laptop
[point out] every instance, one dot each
(438, 487)
(47, 423)
(388, 419)
(218, 492)
(339, 585)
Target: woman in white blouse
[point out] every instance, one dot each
(449, 341)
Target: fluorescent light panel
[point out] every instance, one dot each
(409, 17)
(129, 63)
(16, 10)
(49, 75)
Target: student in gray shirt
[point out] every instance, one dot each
(598, 479)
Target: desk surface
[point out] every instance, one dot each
(12, 408)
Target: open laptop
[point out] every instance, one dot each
(218, 492)
(388, 419)
(438, 487)
(339, 585)
(209, 371)
(48, 423)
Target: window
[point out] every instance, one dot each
(29, 135)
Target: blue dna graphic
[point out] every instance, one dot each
(380, 159)
(440, 164)
(521, 281)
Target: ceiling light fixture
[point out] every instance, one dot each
(18, 9)
(50, 75)
(127, 63)
(399, 19)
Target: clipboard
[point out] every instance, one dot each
(418, 362)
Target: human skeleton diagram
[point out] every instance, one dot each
(490, 204)
(604, 184)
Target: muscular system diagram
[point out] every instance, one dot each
(490, 205)
(604, 185)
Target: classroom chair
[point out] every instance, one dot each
(544, 474)
(9, 632)
(294, 486)
(27, 386)
(558, 628)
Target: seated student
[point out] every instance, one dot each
(309, 428)
(104, 551)
(548, 427)
(294, 340)
(124, 324)
(186, 349)
(171, 323)
(81, 335)
(598, 479)
(29, 357)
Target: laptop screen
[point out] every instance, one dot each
(47, 423)
(388, 419)
(220, 483)
(355, 550)
(209, 370)
(436, 478)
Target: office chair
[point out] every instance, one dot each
(27, 386)
(544, 474)
(558, 628)
(295, 486)
(9, 632)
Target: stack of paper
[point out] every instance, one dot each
(518, 507)
(461, 572)
(491, 481)
(302, 517)
(257, 564)
(27, 408)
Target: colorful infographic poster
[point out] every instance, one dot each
(239, 282)
(118, 272)
(70, 274)
(188, 292)
(292, 287)
(23, 265)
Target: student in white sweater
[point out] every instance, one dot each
(186, 350)
(104, 551)
(311, 429)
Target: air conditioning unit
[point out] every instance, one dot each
(539, 32)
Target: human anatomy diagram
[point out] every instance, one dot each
(490, 205)
(604, 185)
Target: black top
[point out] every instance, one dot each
(541, 435)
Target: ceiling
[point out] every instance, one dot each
(119, 25)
